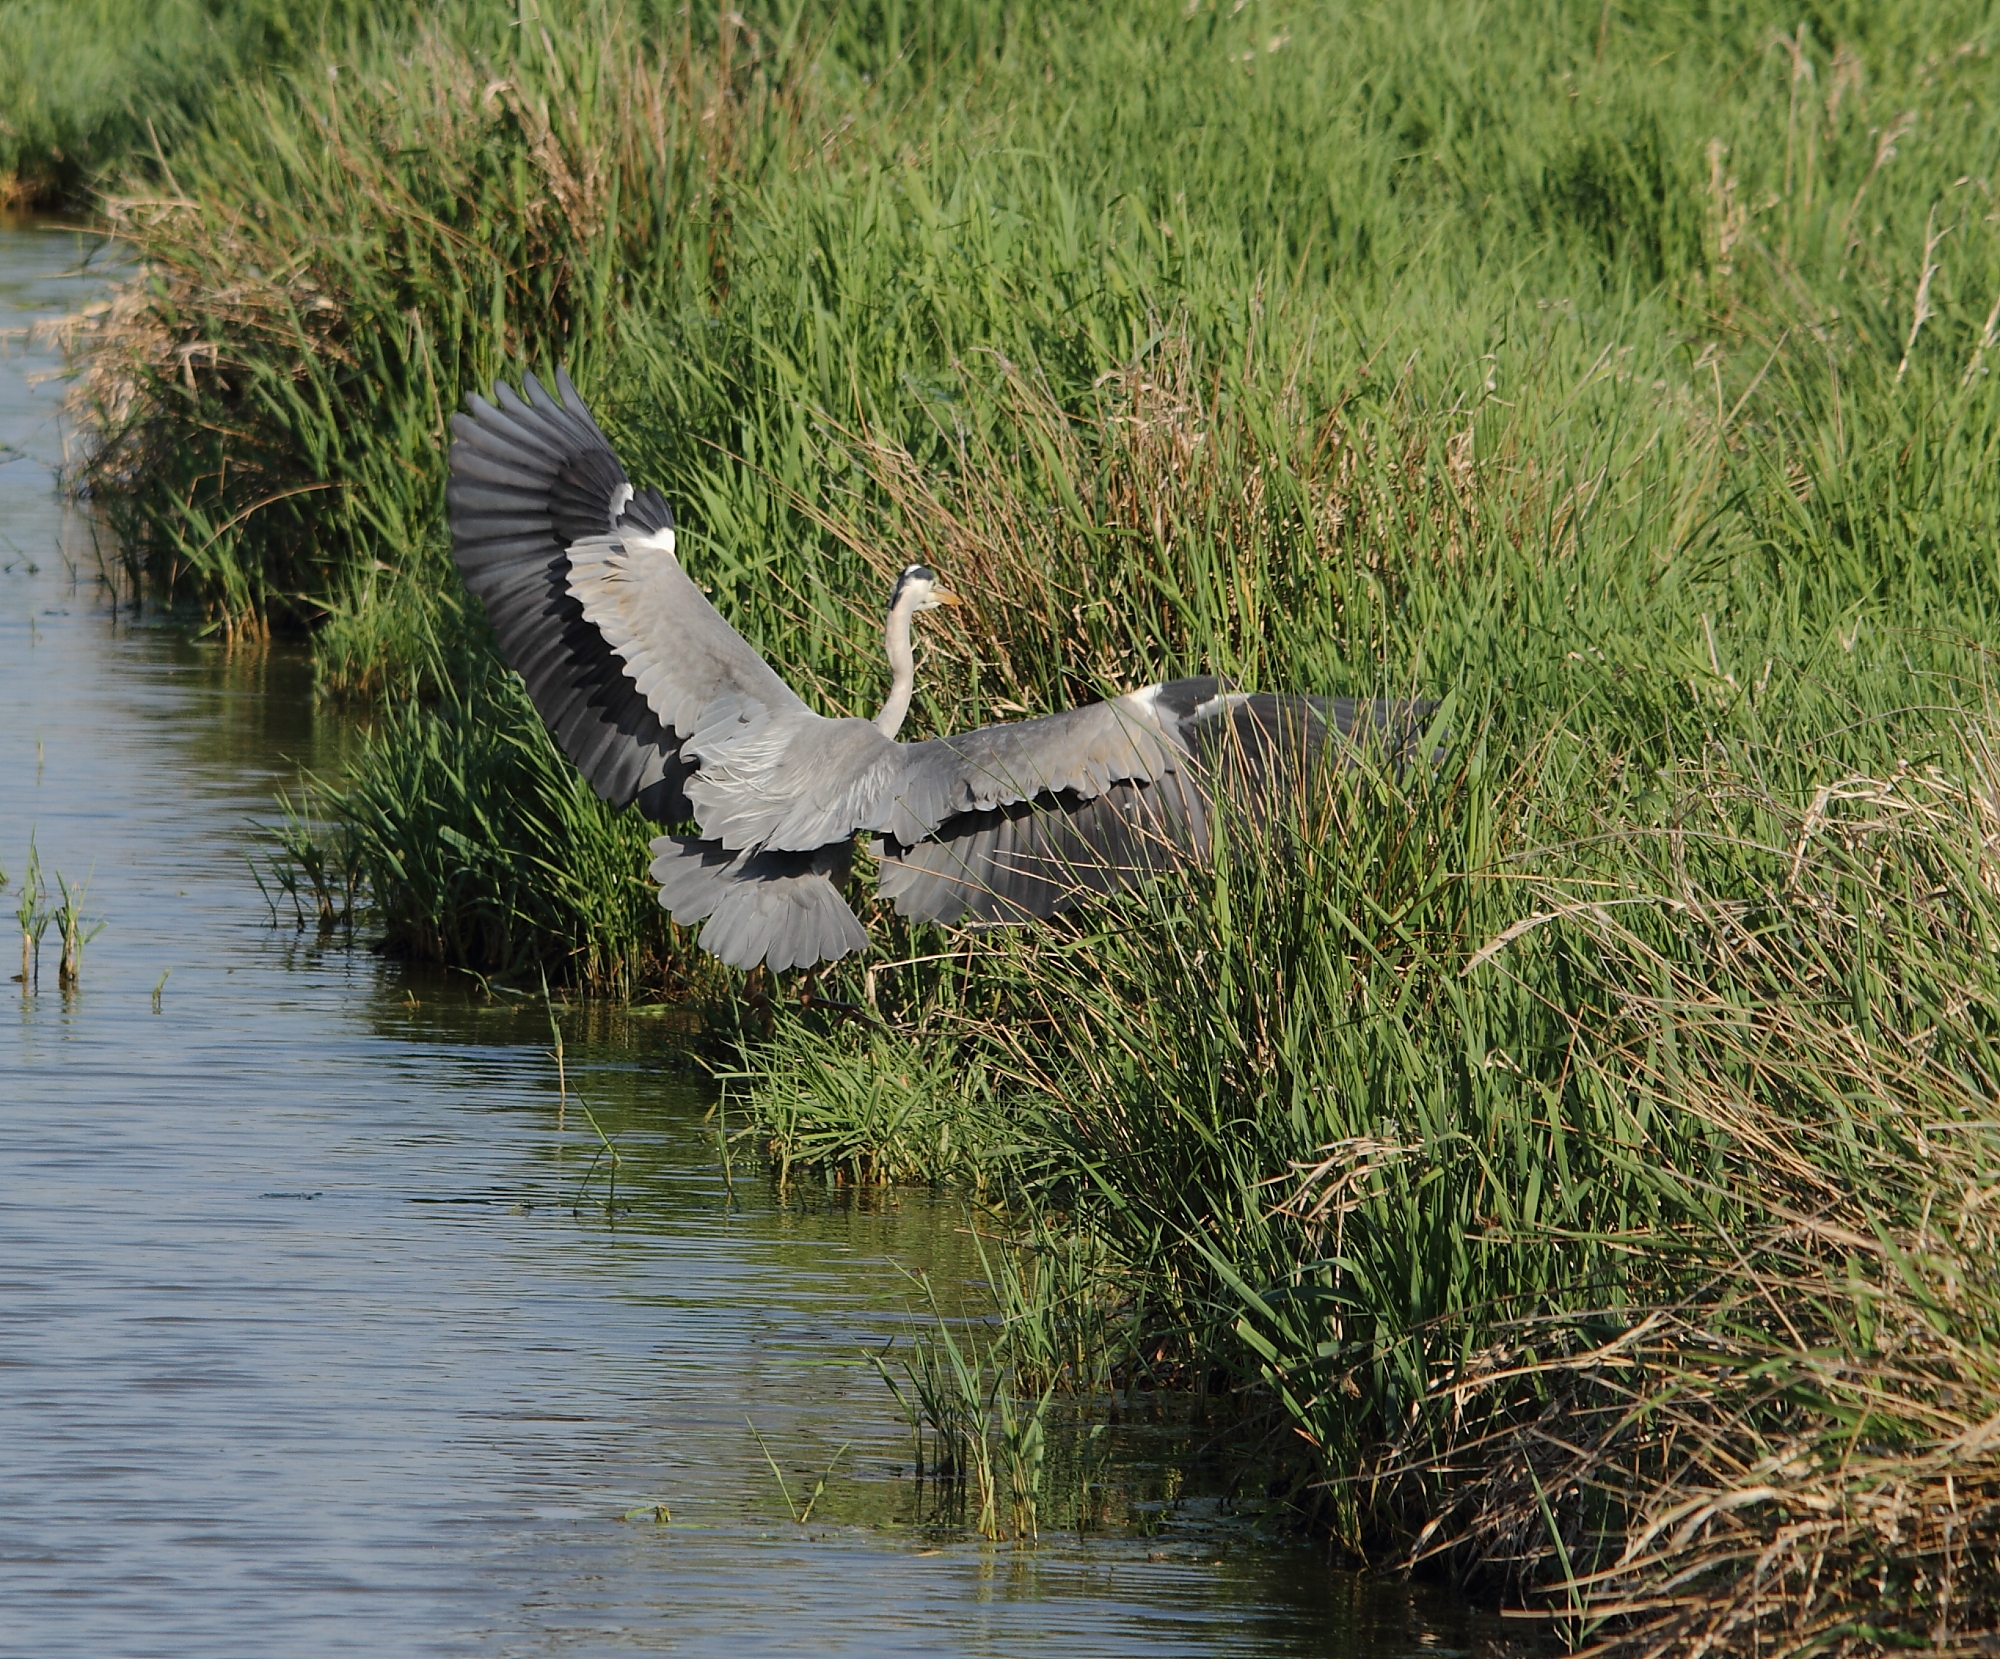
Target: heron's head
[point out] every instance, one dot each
(917, 590)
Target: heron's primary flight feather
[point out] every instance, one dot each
(528, 478)
(657, 698)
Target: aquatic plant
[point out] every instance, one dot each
(1008, 1405)
(975, 1434)
(33, 915)
(73, 929)
(314, 867)
(867, 1107)
(801, 1513)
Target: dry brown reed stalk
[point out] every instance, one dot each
(1921, 310)
(1759, 1481)
(1886, 143)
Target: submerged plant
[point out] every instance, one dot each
(982, 1444)
(317, 870)
(1003, 1412)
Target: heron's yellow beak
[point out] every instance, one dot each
(941, 597)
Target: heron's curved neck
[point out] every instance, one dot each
(902, 671)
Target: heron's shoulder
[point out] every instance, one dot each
(1180, 701)
(1167, 707)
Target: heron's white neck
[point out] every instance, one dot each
(902, 669)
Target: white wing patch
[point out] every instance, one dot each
(1221, 703)
(599, 567)
(677, 650)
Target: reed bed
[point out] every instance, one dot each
(1571, 1159)
(1606, 1219)
(347, 249)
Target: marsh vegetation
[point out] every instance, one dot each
(1580, 1154)
(38, 907)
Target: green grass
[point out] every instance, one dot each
(84, 88)
(481, 847)
(1620, 376)
(865, 1107)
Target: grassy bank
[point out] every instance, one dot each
(89, 88)
(1605, 1215)
(1578, 1156)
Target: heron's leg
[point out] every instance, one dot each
(809, 998)
(757, 993)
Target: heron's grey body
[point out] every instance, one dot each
(657, 699)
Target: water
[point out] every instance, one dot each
(315, 1333)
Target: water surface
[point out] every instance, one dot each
(315, 1333)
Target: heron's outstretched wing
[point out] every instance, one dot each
(529, 478)
(1017, 821)
(639, 677)
(1032, 858)
(1262, 749)
(1080, 753)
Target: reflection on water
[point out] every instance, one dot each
(315, 1334)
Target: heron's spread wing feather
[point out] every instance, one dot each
(1258, 747)
(528, 477)
(1080, 752)
(677, 650)
(1034, 859)
(628, 662)
(772, 773)
(647, 510)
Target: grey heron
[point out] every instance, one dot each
(658, 700)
